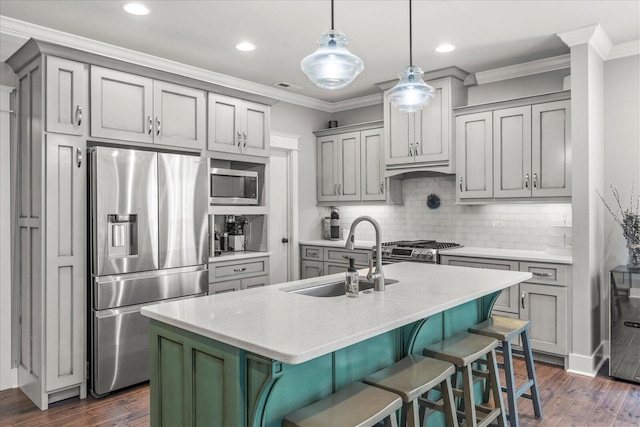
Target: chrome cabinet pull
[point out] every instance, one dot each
(417, 145)
(79, 114)
(321, 271)
(239, 139)
(150, 124)
(526, 181)
(79, 157)
(239, 270)
(339, 189)
(335, 189)
(411, 149)
(158, 126)
(522, 298)
(535, 273)
(381, 187)
(244, 135)
(460, 183)
(535, 180)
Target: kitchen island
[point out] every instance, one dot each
(248, 358)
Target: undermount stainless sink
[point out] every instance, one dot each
(335, 289)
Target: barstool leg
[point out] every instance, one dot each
(391, 421)
(495, 386)
(510, 383)
(411, 411)
(531, 372)
(447, 400)
(469, 401)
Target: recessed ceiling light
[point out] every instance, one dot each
(245, 46)
(444, 48)
(135, 8)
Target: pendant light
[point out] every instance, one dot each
(411, 93)
(332, 66)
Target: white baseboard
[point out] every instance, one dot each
(8, 379)
(588, 365)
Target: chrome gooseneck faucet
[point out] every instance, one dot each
(378, 275)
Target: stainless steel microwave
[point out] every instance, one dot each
(233, 187)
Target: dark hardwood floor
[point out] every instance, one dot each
(568, 400)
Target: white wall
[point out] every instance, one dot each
(506, 226)
(303, 121)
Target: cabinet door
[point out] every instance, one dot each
(327, 168)
(551, 154)
(331, 268)
(349, 166)
(121, 105)
(399, 132)
(179, 116)
(223, 287)
(255, 129)
(65, 237)
(66, 99)
(546, 307)
(372, 164)
(224, 120)
(310, 269)
(474, 142)
(512, 152)
(255, 282)
(432, 135)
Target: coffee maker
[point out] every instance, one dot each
(234, 226)
(335, 223)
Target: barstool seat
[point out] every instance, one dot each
(413, 376)
(356, 404)
(464, 349)
(504, 329)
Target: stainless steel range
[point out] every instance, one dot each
(415, 251)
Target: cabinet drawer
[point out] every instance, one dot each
(238, 269)
(222, 287)
(342, 256)
(255, 282)
(313, 253)
(546, 274)
(495, 264)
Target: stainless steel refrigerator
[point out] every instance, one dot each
(149, 244)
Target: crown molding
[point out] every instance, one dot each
(364, 101)
(623, 50)
(593, 35)
(26, 30)
(524, 69)
(6, 89)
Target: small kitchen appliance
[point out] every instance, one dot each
(233, 187)
(335, 223)
(414, 251)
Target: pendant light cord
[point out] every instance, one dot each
(410, 36)
(331, 14)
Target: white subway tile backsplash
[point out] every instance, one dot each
(507, 226)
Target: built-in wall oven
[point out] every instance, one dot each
(427, 251)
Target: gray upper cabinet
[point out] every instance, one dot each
(474, 145)
(66, 96)
(424, 139)
(134, 108)
(351, 163)
(526, 149)
(237, 126)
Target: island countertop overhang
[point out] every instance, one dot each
(294, 328)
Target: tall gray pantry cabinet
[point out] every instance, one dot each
(51, 226)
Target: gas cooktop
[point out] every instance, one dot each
(415, 250)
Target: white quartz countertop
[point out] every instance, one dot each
(295, 328)
(515, 254)
(360, 244)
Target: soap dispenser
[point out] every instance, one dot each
(351, 284)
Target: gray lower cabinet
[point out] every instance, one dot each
(236, 275)
(321, 261)
(51, 240)
(543, 299)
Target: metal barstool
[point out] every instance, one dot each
(504, 329)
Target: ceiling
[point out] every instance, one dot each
(488, 34)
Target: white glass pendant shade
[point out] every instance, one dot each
(411, 93)
(332, 66)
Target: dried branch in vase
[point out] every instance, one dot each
(629, 220)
